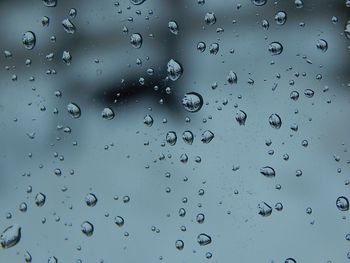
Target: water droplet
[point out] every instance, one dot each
(259, 2)
(174, 70)
(264, 209)
(265, 24)
(299, 3)
(201, 46)
(74, 110)
(268, 171)
(148, 120)
(214, 48)
(68, 26)
(29, 40)
(200, 218)
(173, 27)
(50, 3)
(322, 45)
(119, 221)
(281, 18)
(231, 77)
(275, 48)
(290, 260)
(137, 2)
(241, 117)
(210, 18)
(87, 228)
(294, 95)
(275, 121)
(171, 138)
(27, 257)
(203, 239)
(207, 136)
(67, 57)
(52, 260)
(342, 203)
(347, 30)
(187, 136)
(179, 244)
(192, 101)
(40, 199)
(107, 114)
(72, 13)
(10, 236)
(136, 40)
(90, 200)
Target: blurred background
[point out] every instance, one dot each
(162, 189)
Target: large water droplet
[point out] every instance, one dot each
(107, 114)
(174, 70)
(136, 40)
(74, 110)
(347, 30)
(29, 40)
(10, 236)
(148, 120)
(119, 221)
(87, 228)
(90, 200)
(259, 2)
(281, 18)
(192, 101)
(52, 260)
(275, 121)
(203, 239)
(40, 199)
(179, 244)
(68, 26)
(232, 77)
(50, 3)
(241, 117)
(322, 45)
(173, 27)
(137, 2)
(171, 138)
(267, 171)
(207, 136)
(210, 18)
(264, 209)
(275, 48)
(187, 136)
(342, 203)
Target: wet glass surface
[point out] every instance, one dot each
(174, 131)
